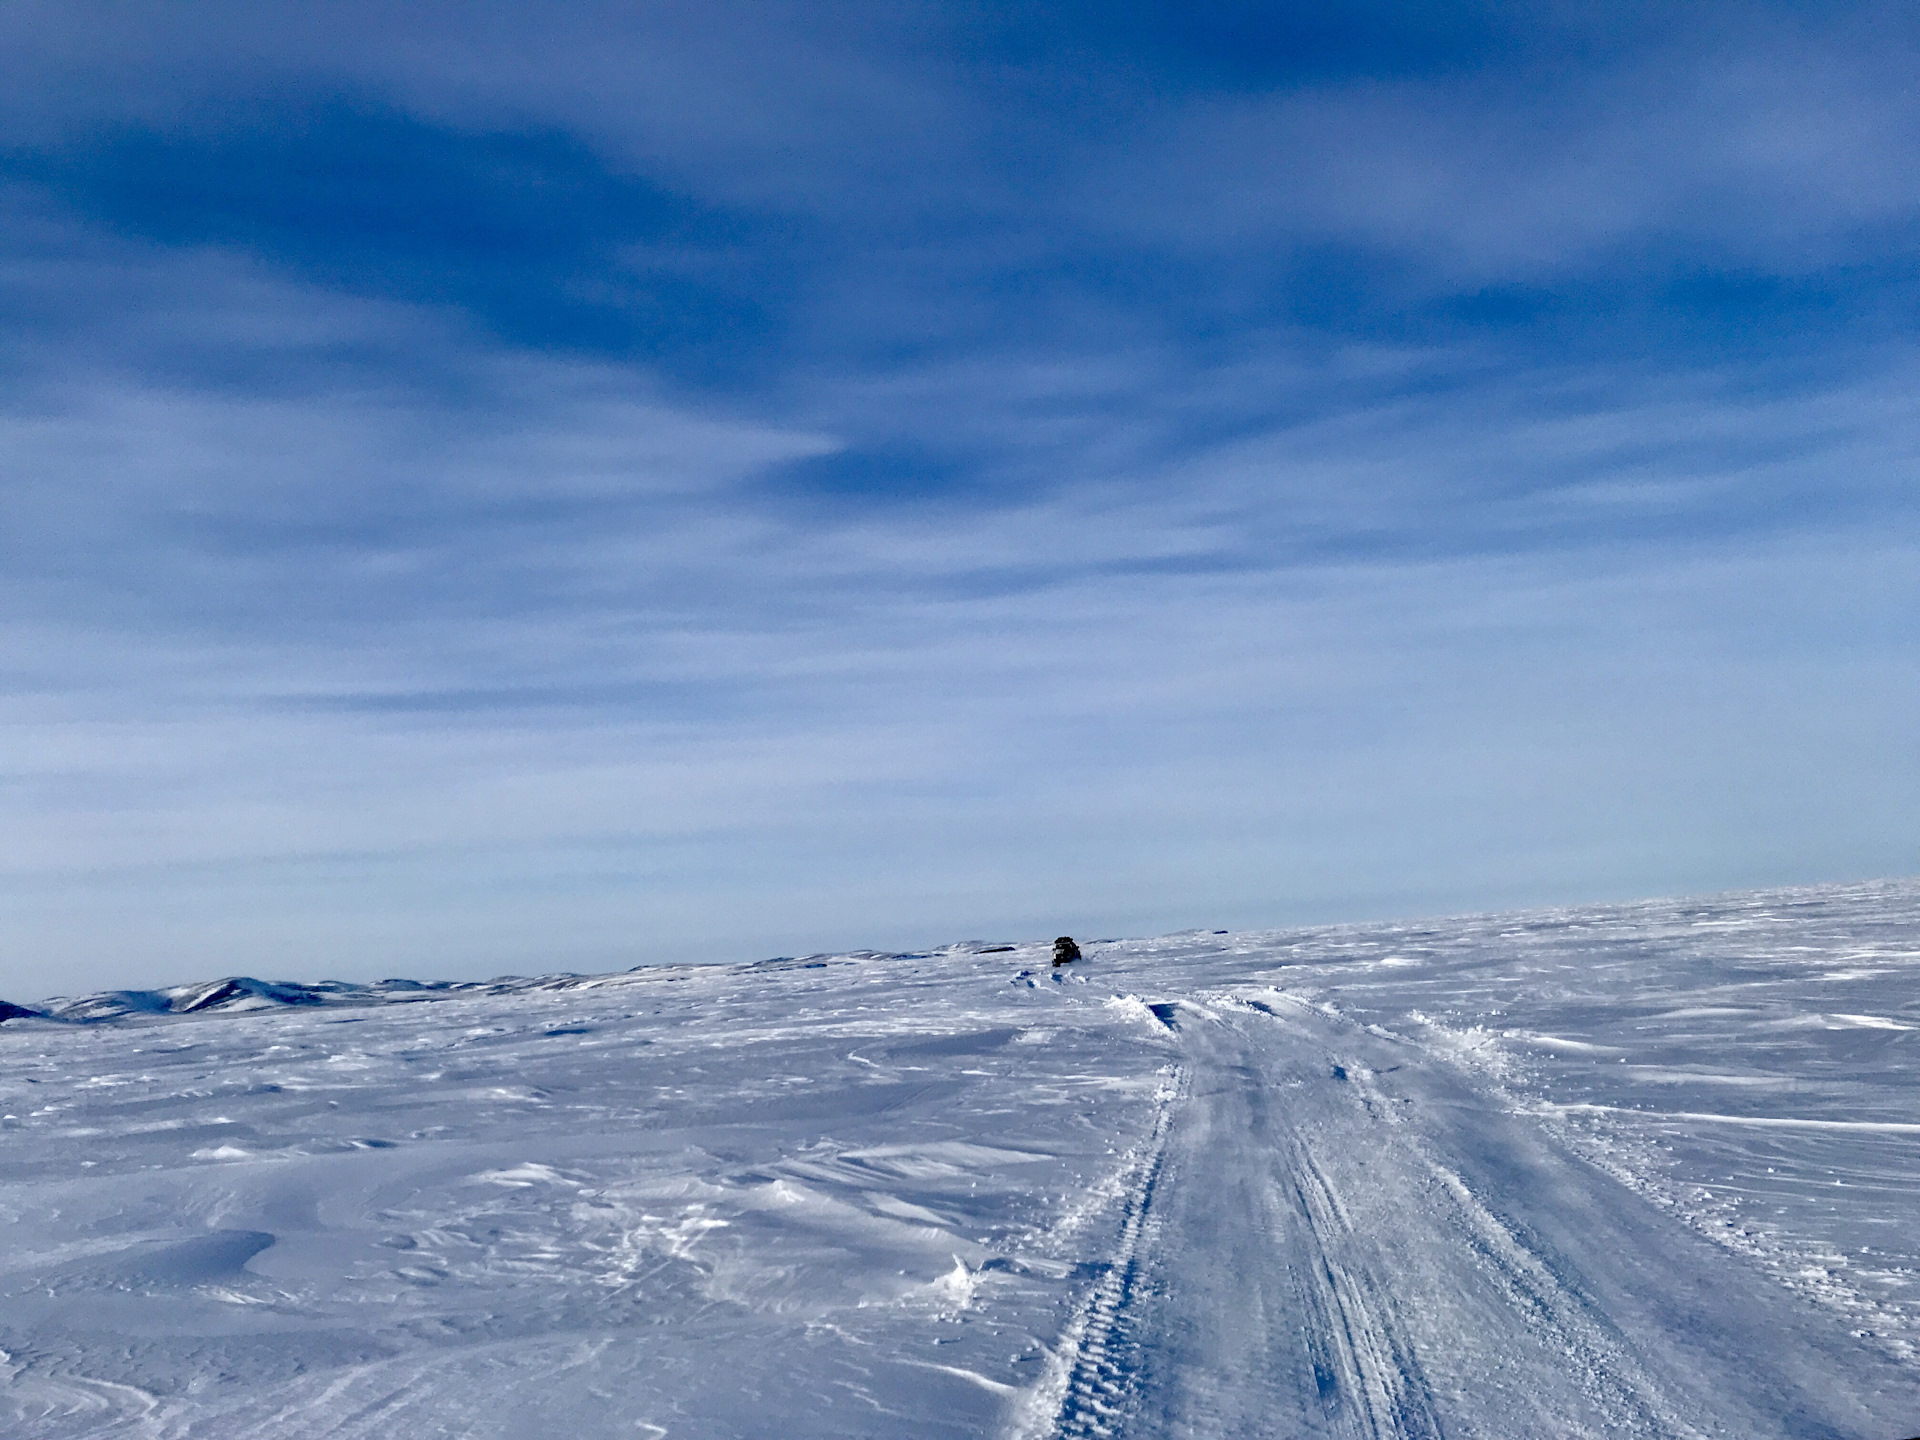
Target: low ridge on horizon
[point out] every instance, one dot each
(245, 992)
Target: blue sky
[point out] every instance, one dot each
(508, 488)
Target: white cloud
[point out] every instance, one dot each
(714, 723)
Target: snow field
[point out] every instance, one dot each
(1644, 1170)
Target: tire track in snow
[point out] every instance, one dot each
(1362, 1360)
(1426, 1242)
(1522, 1289)
(39, 1397)
(1275, 1310)
(1363, 1344)
(1295, 1262)
(1097, 1360)
(1321, 1347)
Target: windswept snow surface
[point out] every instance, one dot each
(1646, 1170)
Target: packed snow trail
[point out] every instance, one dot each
(1318, 1260)
(1640, 1171)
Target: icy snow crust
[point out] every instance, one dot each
(1646, 1170)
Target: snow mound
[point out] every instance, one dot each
(243, 993)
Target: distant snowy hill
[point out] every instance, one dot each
(1647, 1170)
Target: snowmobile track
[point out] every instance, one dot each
(1290, 1252)
(1360, 1357)
(1106, 1337)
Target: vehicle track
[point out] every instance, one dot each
(1104, 1340)
(1236, 1312)
(1307, 1251)
(1259, 1307)
(1365, 1373)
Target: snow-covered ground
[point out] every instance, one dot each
(1647, 1170)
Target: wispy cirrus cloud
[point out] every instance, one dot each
(513, 488)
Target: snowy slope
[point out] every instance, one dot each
(1645, 1170)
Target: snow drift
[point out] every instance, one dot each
(1645, 1170)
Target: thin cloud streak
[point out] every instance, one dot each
(690, 719)
(1384, 738)
(484, 489)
